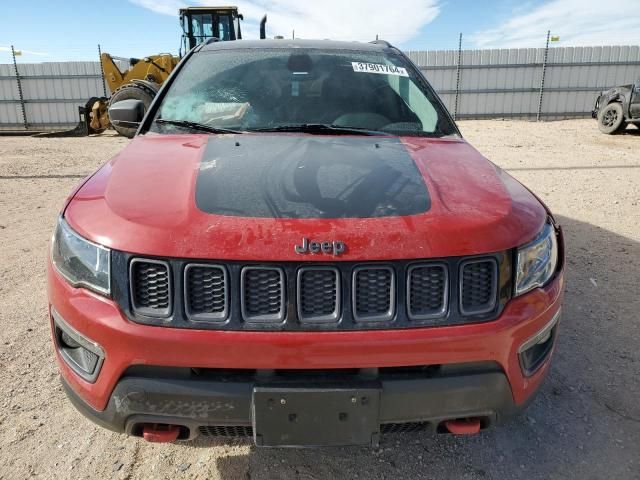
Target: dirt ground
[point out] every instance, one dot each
(584, 424)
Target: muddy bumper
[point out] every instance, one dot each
(310, 412)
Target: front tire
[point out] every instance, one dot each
(611, 119)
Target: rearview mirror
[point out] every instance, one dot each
(127, 113)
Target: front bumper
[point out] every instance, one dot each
(207, 406)
(120, 398)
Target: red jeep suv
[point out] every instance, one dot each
(299, 246)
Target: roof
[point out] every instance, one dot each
(297, 43)
(206, 9)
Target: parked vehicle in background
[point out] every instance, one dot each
(617, 107)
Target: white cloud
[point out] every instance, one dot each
(362, 20)
(577, 22)
(166, 7)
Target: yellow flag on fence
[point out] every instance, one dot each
(555, 38)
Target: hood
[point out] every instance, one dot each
(257, 196)
(622, 89)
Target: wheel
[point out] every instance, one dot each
(611, 119)
(131, 91)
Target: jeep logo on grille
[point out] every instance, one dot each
(333, 248)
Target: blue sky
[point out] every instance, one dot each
(56, 30)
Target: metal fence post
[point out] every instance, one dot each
(19, 82)
(104, 85)
(455, 108)
(458, 67)
(544, 71)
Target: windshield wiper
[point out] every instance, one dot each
(195, 126)
(320, 128)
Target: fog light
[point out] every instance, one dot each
(536, 350)
(82, 355)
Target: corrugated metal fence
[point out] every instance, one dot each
(508, 83)
(487, 83)
(51, 93)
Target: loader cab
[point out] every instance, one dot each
(199, 24)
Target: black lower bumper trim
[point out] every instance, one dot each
(214, 407)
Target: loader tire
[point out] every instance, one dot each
(131, 91)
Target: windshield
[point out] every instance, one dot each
(271, 89)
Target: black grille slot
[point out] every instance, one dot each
(206, 292)
(403, 427)
(226, 431)
(318, 294)
(478, 288)
(150, 287)
(262, 293)
(427, 291)
(373, 293)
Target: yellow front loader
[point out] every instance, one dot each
(143, 77)
(141, 81)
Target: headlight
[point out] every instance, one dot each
(78, 260)
(537, 261)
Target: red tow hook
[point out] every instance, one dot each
(463, 426)
(160, 432)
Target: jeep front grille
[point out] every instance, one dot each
(262, 293)
(244, 431)
(150, 282)
(373, 293)
(427, 291)
(205, 292)
(233, 431)
(478, 286)
(312, 295)
(405, 427)
(318, 290)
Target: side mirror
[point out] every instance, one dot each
(127, 113)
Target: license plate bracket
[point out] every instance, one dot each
(296, 417)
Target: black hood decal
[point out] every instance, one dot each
(303, 176)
